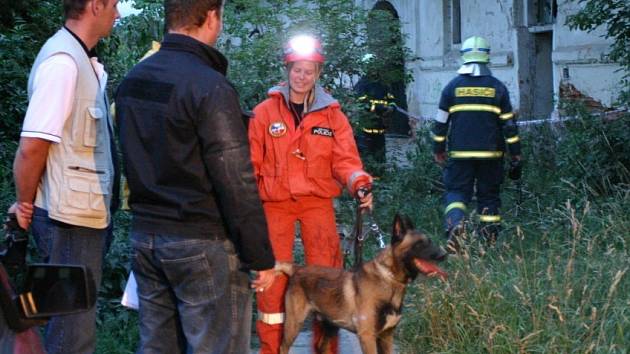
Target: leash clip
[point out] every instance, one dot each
(377, 231)
(373, 229)
(379, 235)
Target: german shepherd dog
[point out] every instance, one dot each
(367, 301)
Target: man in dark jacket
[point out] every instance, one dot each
(193, 196)
(475, 118)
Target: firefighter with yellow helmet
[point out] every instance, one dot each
(473, 129)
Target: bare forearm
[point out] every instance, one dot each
(28, 167)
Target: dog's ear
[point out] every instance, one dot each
(400, 229)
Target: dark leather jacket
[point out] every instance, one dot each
(186, 153)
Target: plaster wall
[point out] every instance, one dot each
(440, 58)
(580, 58)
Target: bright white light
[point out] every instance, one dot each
(303, 44)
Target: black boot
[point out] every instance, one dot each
(489, 234)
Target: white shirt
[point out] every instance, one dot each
(52, 100)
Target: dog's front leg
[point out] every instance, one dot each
(368, 343)
(385, 342)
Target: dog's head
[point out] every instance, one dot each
(414, 251)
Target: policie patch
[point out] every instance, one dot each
(322, 131)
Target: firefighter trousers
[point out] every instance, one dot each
(321, 247)
(481, 177)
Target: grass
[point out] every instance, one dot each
(557, 282)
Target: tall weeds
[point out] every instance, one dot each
(557, 292)
(557, 280)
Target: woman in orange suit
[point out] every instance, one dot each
(303, 153)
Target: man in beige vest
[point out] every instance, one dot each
(63, 170)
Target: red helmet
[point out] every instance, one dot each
(303, 47)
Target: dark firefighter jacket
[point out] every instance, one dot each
(475, 119)
(186, 152)
(377, 100)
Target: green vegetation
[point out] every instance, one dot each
(557, 282)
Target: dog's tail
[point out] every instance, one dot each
(284, 267)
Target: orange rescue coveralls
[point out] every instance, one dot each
(299, 171)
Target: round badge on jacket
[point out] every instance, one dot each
(277, 129)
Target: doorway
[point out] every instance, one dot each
(543, 99)
(385, 39)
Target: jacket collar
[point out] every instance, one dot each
(474, 69)
(89, 52)
(322, 98)
(183, 43)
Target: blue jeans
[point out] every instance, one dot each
(61, 243)
(193, 297)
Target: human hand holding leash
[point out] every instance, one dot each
(264, 279)
(364, 194)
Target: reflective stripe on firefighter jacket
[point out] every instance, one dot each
(317, 158)
(475, 119)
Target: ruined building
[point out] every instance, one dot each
(533, 51)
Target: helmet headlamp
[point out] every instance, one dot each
(303, 47)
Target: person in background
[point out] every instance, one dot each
(197, 219)
(476, 121)
(304, 153)
(65, 169)
(377, 99)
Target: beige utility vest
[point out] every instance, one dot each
(76, 187)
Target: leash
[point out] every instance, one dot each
(358, 239)
(355, 244)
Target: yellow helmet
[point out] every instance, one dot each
(475, 50)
